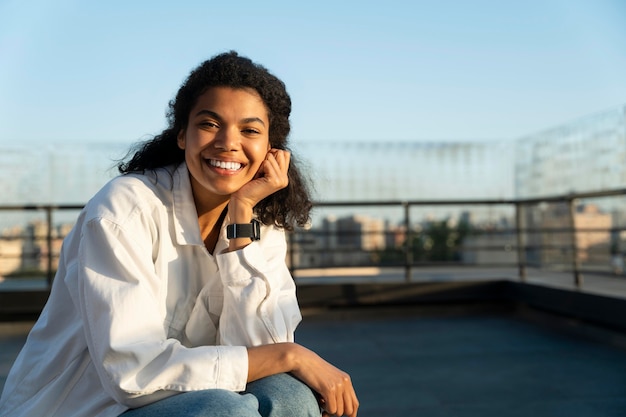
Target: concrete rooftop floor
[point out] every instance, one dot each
(457, 361)
(475, 364)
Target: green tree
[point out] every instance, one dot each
(443, 241)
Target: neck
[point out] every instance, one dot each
(210, 222)
(211, 209)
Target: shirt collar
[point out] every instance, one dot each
(186, 228)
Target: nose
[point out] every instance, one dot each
(227, 138)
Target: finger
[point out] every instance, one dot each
(272, 172)
(282, 157)
(340, 403)
(351, 404)
(260, 172)
(276, 170)
(331, 404)
(271, 160)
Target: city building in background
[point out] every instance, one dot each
(554, 223)
(353, 240)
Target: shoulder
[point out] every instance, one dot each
(127, 195)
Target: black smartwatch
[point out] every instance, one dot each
(250, 230)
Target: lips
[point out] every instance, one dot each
(227, 165)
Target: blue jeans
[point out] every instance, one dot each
(279, 395)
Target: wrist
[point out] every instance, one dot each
(290, 356)
(298, 357)
(239, 212)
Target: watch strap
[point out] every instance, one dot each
(250, 230)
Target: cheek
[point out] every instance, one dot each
(260, 151)
(192, 145)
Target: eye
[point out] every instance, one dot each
(207, 123)
(251, 131)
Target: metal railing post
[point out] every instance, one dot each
(49, 275)
(408, 246)
(521, 247)
(578, 279)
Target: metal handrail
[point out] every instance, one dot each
(520, 231)
(521, 246)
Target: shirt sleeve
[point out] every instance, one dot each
(118, 296)
(260, 305)
(257, 303)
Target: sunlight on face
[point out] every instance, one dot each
(225, 142)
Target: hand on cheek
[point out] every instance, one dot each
(272, 176)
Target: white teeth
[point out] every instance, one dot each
(232, 166)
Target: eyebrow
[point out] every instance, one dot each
(218, 117)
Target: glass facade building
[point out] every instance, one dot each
(409, 170)
(585, 155)
(588, 154)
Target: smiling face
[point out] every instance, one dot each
(225, 142)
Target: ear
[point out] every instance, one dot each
(181, 139)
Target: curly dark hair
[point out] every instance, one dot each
(285, 208)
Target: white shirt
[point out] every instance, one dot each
(139, 309)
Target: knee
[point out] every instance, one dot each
(283, 395)
(221, 403)
(211, 402)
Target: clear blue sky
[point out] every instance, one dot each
(101, 71)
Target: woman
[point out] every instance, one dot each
(172, 296)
